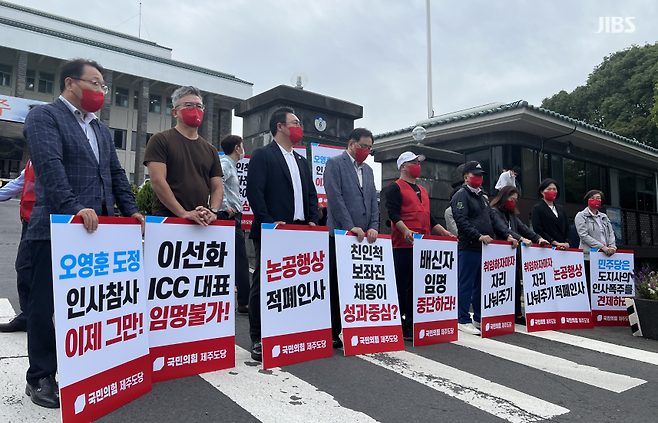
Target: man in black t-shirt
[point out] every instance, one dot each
(184, 168)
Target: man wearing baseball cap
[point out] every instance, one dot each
(476, 224)
(408, 207)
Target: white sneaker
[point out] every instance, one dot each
(468, 328)
(477, 324)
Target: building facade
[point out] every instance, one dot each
(141, 76)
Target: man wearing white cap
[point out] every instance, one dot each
(408, 207)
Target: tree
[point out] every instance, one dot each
(144, 199)
(620, 95)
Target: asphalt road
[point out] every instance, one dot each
(600, 375)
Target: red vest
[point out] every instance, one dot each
(27, 196)
(414, 213)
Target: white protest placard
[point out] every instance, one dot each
(435, 290)
(611, 281)
(190, 279)
(554, 289)
(498, 288)
(294, 294)
(98, 287)
(368, 295)
(242, 168)
(321, 153)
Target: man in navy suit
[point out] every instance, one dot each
(352, 206)
(280, 190)
(77, 173)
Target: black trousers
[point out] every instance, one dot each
(254, 297)
(403, 258)
(23, 271)
(241, 259)
(40, 308)
(336, 316)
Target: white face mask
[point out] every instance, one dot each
(242, 154)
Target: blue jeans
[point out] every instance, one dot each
(470, 284)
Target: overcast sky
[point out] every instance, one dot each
(373, 53)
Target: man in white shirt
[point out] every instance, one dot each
(508, 177)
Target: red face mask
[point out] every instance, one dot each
(296, 134)
(510, 205)
(550, 195)
(476, 181)
(91, 101)
(192, 117)
(594, 203)
(414, 170)
(360, 154)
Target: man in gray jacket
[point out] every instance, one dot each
(351, 205)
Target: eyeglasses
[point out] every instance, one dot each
(362, 147)
(96, 84)
(190, 105)
(294, 123)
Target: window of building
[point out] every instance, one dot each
(46, 82)
(484, 157)
(133, 141)
(597, 178)
(5, 75)
(30, 80)
(574, 181)
(557, 172)
(627, 198)
(530, 172)
(119, 138)
(122, 95)
(136, 100)
(646, 196)
(170, 105)
(155, 103)
(132, 178)
(505, 157)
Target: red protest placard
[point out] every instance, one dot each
(190, 273)
(102, 345)
(294, 294)
(368, 295)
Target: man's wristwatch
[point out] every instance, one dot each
(214, 210)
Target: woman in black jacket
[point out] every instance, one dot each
(549, 220)
(504, 207)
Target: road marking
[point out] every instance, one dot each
(270, 394)
(594, 345)
(503, 402)
(12, 344)
(550, 364)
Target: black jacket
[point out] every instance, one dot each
(474, 217)
(549, 227)
(518, 229)
(270, 192)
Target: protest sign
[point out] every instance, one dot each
(322, 153)
(498, 288)
(294, 294)
(98, 287)
(242, 168)
(190, 279)
(611, 282)
(435, 290)
(554, 289)
(368, 295)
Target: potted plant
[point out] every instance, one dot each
(645, 304)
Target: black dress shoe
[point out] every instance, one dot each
(520, 320)
(407, 334)
(257, 351)
(17, 324)
(243, 309)
(45, 394)
(337, 343)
